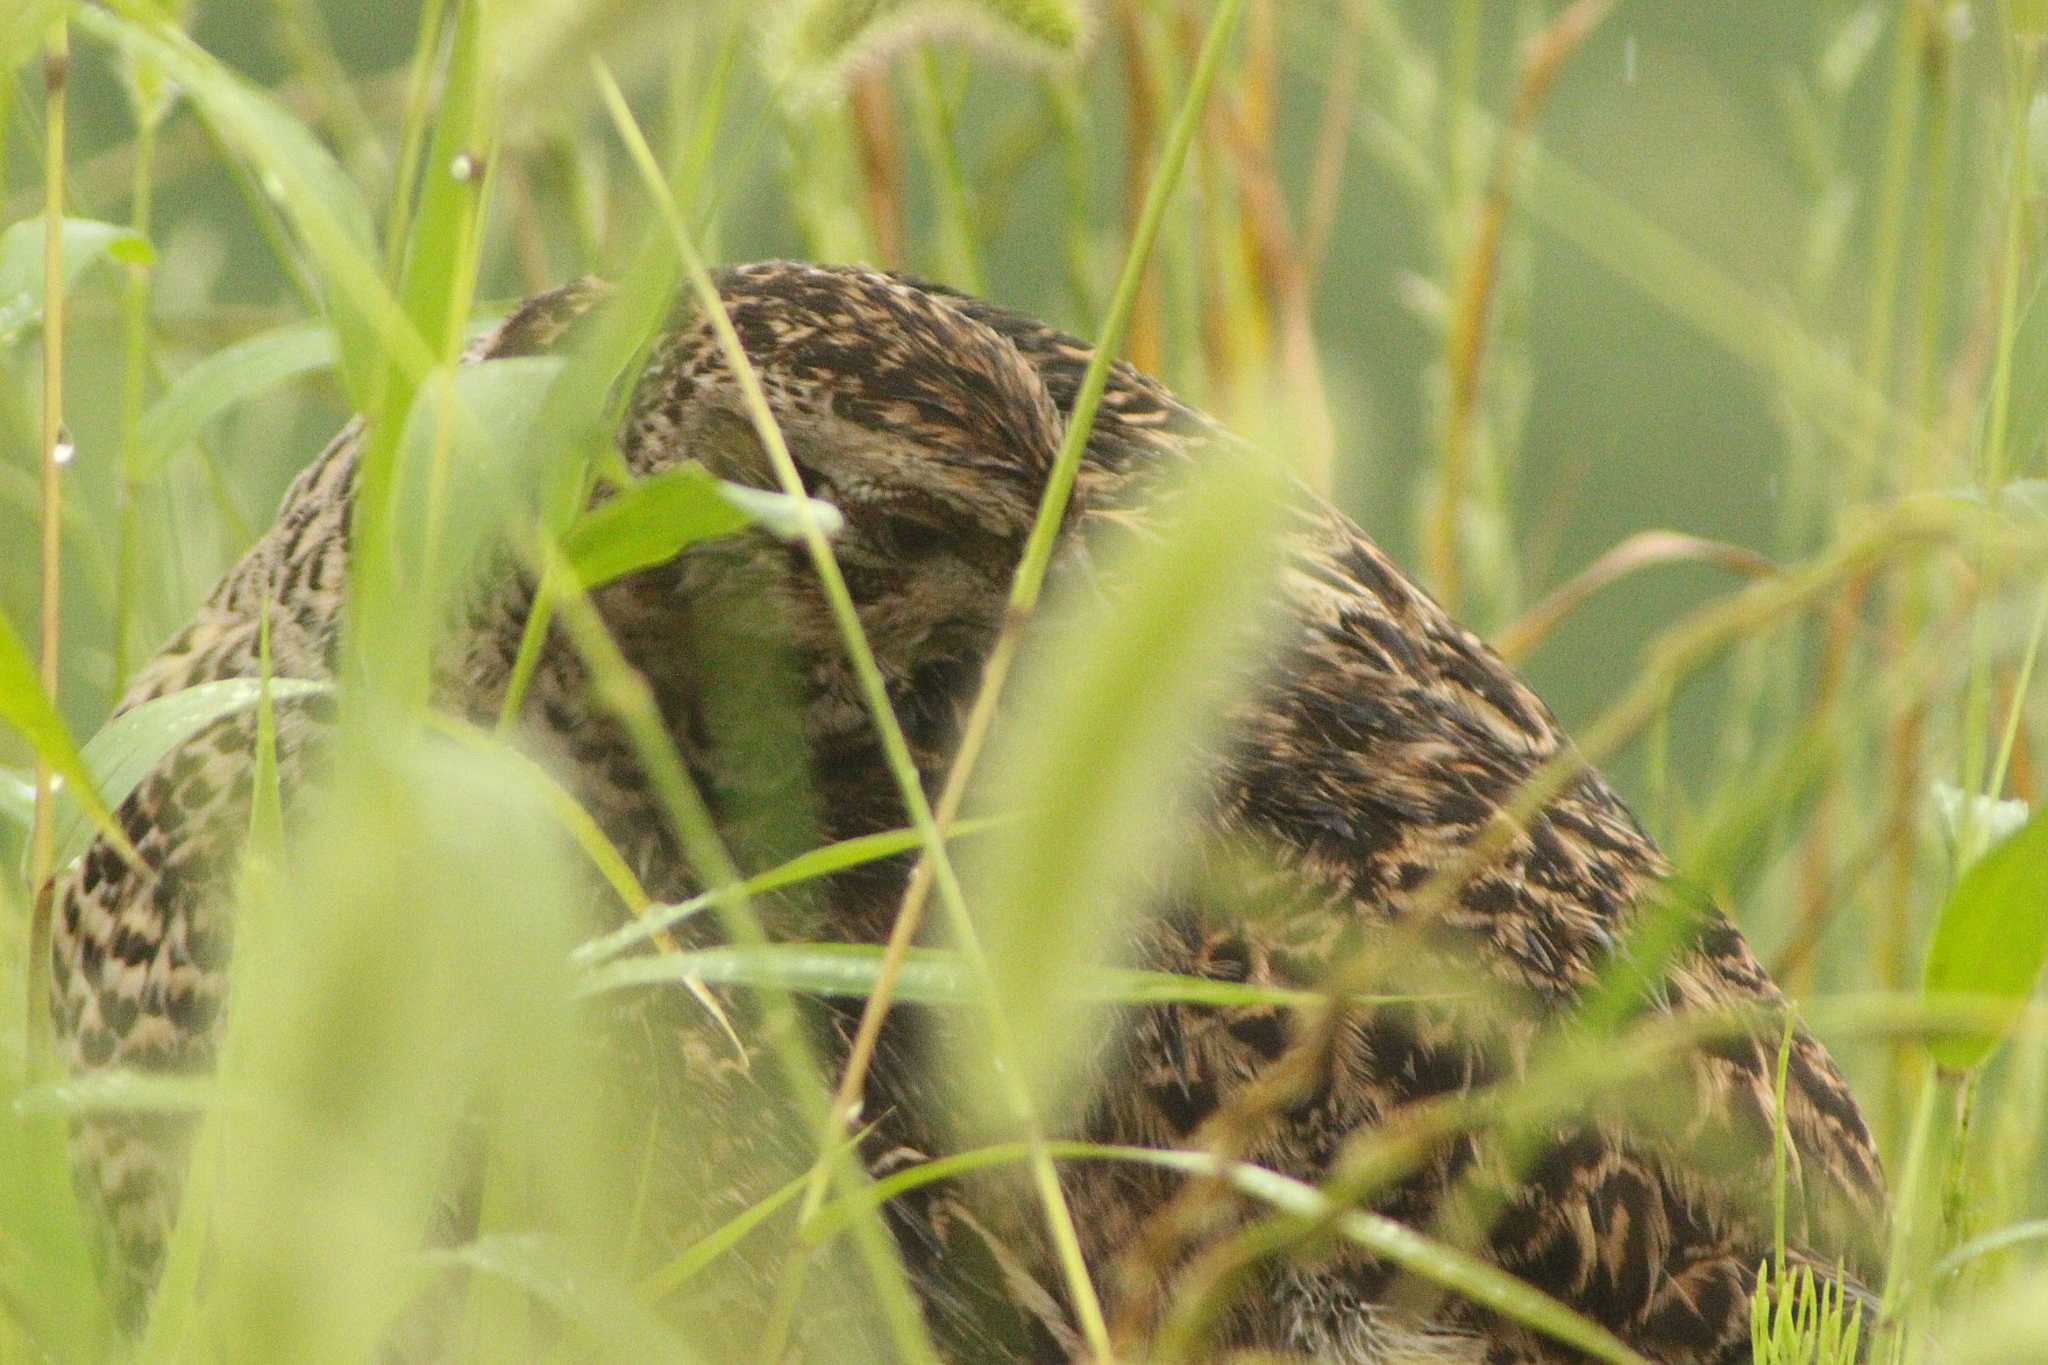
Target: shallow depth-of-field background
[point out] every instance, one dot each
(1698, 295)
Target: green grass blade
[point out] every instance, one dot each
(130, 746)
(1087, 769)
(932, 976)
(83, 242)
(28, 709)
(652, 520)
(1991, 938)
(224, 381)
(302, 178)
(818, 862)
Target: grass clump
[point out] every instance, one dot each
(1737, 443)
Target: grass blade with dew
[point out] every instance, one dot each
(28, 709)
(83, 242)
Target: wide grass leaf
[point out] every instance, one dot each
(1992, 938)
(130, 746)
(651, 521)
(224, 381)
(1113, 715)
(317, 197)
(83, 241)
(25, 706)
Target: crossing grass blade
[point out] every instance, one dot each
(29, 711)
(127, 748)
(1093, 777)
(224, 381)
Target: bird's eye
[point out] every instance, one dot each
(815, 484)
(914, 538)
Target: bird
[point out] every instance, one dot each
(1378, 743)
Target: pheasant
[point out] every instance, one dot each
(1379, 741)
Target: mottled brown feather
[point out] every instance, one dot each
(1378, 744)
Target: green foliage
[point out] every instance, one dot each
(1991, 940)
(28, 709)
(817, 42)
(1795, 1321)
(419, 983)
(82, 242)
(127, 748)
(654, 518)
(223, 382)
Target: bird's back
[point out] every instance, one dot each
(1382, 741)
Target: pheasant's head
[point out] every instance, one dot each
(928, 431)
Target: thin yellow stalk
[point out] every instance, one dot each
(1141, 101)
(868, 672)
(42, 839)
(1901, 117)
(1333, 128)
(625, 693)
(1031, 571)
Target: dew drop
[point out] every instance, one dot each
(64, 451)
(463, 168)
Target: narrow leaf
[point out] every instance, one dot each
(225, 380)
(130, 746)
(1991, 939)
(25, 706)
(83, 241)
(650, 522)
(809, 866)
(931, 976)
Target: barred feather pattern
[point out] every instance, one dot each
(1379, 742)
